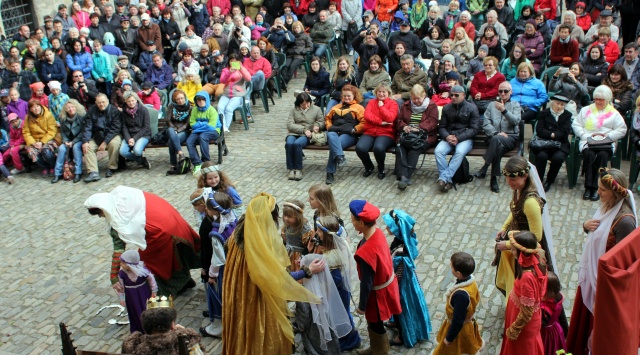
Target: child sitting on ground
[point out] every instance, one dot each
(459, 333)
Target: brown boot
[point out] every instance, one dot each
(378, 344)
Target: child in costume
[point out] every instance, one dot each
(223, 223)
(321, 325)
(210, 175)
(523, 317)
(330, 242)
(295, 232)
(379, 293)
(554, 321)
(413, 323)
(138, 284)
(459, 332)
(322, 201)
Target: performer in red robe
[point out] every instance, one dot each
(168, 245)
(379, 293)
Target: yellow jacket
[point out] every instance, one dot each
(190, 88)
(39, 129)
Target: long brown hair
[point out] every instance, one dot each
(224, 183)
(324, 195)
(297, 213)
(516, 164)
(523, 58)
(528, 240)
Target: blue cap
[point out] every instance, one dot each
(126, 82)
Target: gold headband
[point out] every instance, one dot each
(294, 206)
(611, 183)
(512, 239)
(522, 172)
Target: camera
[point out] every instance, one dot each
(238, 29)
(316, 241)
(368, 32)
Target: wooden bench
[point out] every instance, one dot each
(478, 150)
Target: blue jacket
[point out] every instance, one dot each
(146, 60)
(204, 119)
(80, 61)
(103, 67)
(530, 93)
(280, 39)
(199, 19)
(57, 70)
(318, 85)
(160, 77)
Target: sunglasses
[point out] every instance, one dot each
(503, 91)
(456, 95)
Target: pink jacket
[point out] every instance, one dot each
(81, 19)
(224, 5)
(234, 82)
(261, 64)
(153, 99)
(15, 136)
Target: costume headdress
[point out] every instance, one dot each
(132, 259)
(611, 183)
(528, 257)
(160, 302)
(267, 259)
(522, 172)
(346, 257)
(226, 214)
(293, 205)
(364, 210)
(400, 223)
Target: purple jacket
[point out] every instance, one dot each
(160, 77)
(19, 107)
(537, 44)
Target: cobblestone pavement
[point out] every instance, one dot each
(57, 257)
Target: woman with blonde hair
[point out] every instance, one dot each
(344, 124)
(344, 75)
(463, 46)
(71, 130)
(379, 133)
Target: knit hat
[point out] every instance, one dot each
(204, 46)
(457, 89)
(581, 4)
(364, 210)
(484, 47)
(190, 71)
(532, 22)
(183, 47)
(12, 116)
(247, 19)
(36, 86)
(444, 87)
(606, 13)
(54, 85)
(452, 76)
(449, 58)
(244, 45)
(368, 14)
(126, 82)
(145, 86)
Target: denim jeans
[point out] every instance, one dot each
(175, 144)
(379, 144)
(330, 105)
(134, 153)
(77, 158)
(46, 159)
(226, 106)
(258, 80)
(203, 139)
(319, 49)
(293, 149)
(338, 142)
(446, 171)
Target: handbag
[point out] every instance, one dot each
(68, 168)
(160, 138)
(537, 144)
(599, 144)
(414, 140)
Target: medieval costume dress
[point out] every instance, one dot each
(532, 216)
(321, 325)
(295, 241)
(554, 325)
(168, 245)
(138, 285)
(615, 225)
(256, 286)
(414, 322)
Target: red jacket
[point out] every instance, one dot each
(584, 22)
(545, 4)
(611, 51)
(153, 99)
(440, 101)
(469, 28)
(224, 5)
(564, 54)
(375, 115)
(15, 136)
(429, 121)
(488, 89)
(261, 64)
(375, 252)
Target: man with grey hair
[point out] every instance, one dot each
(223, 40)
(102, 131)
(321, 33)
(110, 20)
(405, 78)
(501, 31)
(239, 33)
(501, 120)
(605, 21)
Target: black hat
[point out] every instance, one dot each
(119, 3)
(405, 23)
(147, 85)
(606, 13)
(124, 18)
(151, 43)
(48, 18)
(559, 97)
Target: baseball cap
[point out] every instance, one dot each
(12, 116)
(145, 17)
(606, 13)
(405, 23)
(48, 18)
(457, 89)
(4, 93)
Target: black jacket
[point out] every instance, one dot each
(97, 32)
(137, 126)
(461, 120)
(85, 98)
(24, 79)
(127, 41)
(506, 18)
(547, 124)
(427, 25)
(412, 42)
(591, 69)
(72, 131)
(113, 24)
(170, 28)
(102, 126)
(318, 84)
(367, 51)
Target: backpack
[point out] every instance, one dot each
(462, 175)
(183, 166)
(68, 168)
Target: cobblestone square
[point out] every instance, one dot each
(57, 256)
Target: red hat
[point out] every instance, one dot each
(581, 4)
(364, 210)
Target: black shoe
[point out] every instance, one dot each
(77, 178)
(55, 179)
(494, 185)
(145, 163)
(204, 333)
(480, 174)
(402, 184)
(93, 176)
(330, 179)
(594, 195)
(546, 186)
(587, 194)
(173, 171)
(367, 172)
(205, 314)
(109, 173)
(381, 175)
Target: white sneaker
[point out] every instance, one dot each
(351, 52)
(11, 180)
(226, 130)
(215, 328)
(16, 171)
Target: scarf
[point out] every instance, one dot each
(556, 115)
(186, 64)
(449, 21)
(131, 111)
(420, 109)
(618, 88)
(490, 42)
(595, 118)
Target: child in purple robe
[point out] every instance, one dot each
(137, 286)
